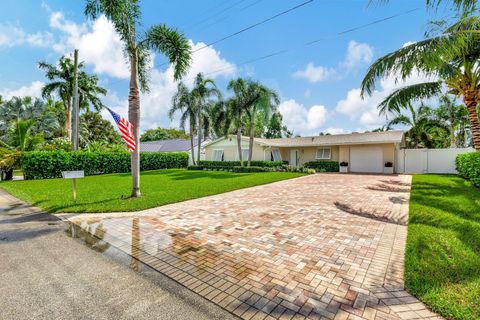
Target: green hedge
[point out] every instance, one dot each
(50, 164)
(229, 164)
(250, 169)
(236, 169)
(468, 166)
(323, 166)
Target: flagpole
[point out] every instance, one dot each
(76, 111)
(76, 117)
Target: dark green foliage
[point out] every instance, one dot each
(163, 160)
(27, 108)
(163, 134)
(468, 166)
(249, 169)
(93, 127)
(236, 169)
(50, 164)
(265, 164)
(195, 168)
(323, 166)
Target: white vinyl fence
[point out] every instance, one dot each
(428, 160)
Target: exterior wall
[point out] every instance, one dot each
(230, 149)
(307, 154)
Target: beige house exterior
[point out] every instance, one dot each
(364, 152)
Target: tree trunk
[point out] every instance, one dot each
(471, 103)
(192, 148)
(199, 133)
(250, 141)
(134, 118)
(67, 126)
(239, 145)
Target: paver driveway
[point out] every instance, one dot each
(325, 246)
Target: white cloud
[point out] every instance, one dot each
(336, 131)
(97, 42)
(12, 35)
(301, 119)
(156, 103)
(357, 55)
(314, 74)
(365, 110)
(32, 90)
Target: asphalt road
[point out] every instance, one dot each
(45, 274)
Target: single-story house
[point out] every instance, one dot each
(173, 145)
(364, 152)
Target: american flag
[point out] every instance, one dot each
(125, 128)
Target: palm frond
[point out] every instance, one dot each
(173, 44)
(400, 98)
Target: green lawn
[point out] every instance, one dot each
(104, 193)
(443, 246)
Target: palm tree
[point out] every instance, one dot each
(460, 5)
(425, 131)
(19, 139)
(455, 116)
(215, 120)
(203, 90)
(62, 83)
(125, 16)
(452, 57)
(46, 121)
(236, 109)
(184, 102)
(265, 101)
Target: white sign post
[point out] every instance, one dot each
(73, 175)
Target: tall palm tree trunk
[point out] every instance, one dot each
(250, 142)
(134, 118)
(192, 148)
(471, 104)
(239, 145)
(67, 126)
(199, 133)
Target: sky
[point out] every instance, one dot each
(319, 84)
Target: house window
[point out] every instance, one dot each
(244, 154)
(275, 155)
(218, 155)
(323, 154)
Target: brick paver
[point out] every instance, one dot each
(325, 246)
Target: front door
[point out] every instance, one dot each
(294, 158)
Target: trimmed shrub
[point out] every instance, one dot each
(50, 164)
(323, 166)
(468, 166)
(263, 164)
(195, 168)
(239, 169)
